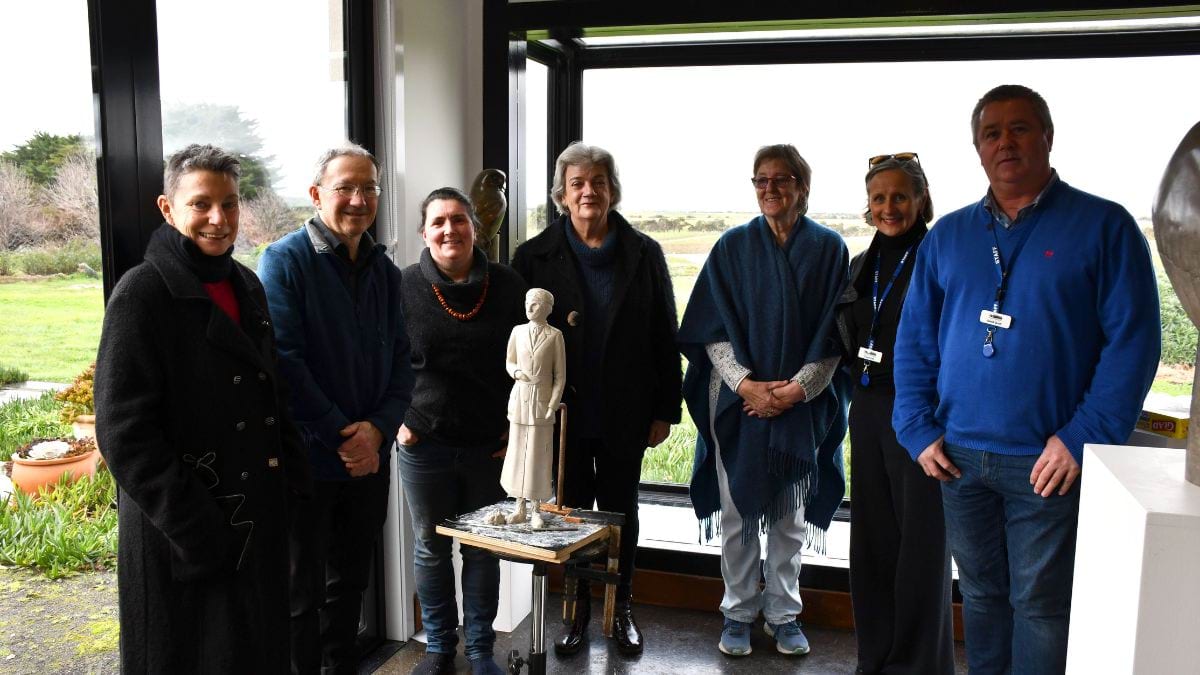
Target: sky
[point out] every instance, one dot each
(683, 138)
(273, 59)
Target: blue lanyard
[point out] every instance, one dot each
(1003, 274)
(876, 298)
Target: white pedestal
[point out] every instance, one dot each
(1136, 603)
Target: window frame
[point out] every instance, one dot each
(557, 27)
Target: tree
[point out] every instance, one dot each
(40, 157)
(265, 218)
(73, 200)
(256, 178)
(223, 126)
(19, 221)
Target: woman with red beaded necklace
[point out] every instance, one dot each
(459, 309)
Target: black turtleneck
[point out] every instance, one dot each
(889, 251)
(209, 268)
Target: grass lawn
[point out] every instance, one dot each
(51, 326)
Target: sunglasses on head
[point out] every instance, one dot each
(899, 156)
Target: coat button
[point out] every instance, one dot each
(262, 377)
(245, 475)
(240, 426)
(237, 379)
(269, 421)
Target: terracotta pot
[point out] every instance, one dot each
(84, 426)
(30, 474)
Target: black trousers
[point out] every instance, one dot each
(332, 537)
(899, 560)
(607, 478)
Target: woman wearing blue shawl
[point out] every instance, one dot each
(760, 341)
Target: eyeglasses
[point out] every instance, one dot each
(348, 191)
(761, 182)
(899, 157)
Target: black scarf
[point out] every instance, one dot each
(209, 268)
(461, 296)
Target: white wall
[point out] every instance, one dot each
(430, 135)
(438, 122)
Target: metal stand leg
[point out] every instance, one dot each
(536, 660)
(537, 629)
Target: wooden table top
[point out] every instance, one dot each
(553, 545)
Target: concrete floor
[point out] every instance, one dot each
(677, 641)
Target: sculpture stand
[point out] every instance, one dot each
(1136, 601)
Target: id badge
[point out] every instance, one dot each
(996, 319)
(870, 355)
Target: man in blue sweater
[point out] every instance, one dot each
(1030, 328)
(334, 296)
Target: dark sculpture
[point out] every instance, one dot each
(1176, 216)
(490, 204)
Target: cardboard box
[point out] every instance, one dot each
(1163, 424)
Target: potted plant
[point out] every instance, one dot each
(41, 462)
(79, 408)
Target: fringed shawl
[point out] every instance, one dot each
(776, 305)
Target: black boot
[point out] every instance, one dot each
(625, 629)
(570, 641)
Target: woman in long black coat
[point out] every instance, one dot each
(615, 307)
(192, 421)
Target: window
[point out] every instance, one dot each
(275, 95)
(536, 172)
(49, 218)
(684, 139)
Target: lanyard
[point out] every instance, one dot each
(1003, 273)
(877, 301)
(876, 298)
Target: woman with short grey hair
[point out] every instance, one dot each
(758, 335)
(615, 307)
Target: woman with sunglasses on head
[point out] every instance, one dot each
(761, 345)
(899, 561)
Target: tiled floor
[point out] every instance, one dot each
(677, 642)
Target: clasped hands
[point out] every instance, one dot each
(360, 451)
(768, 399)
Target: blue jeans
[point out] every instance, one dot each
(1016, 554)
(441, 482)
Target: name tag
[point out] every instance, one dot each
(996, 319)
(870, 355)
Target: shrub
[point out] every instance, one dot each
(77, 399)
(26, 419)
(73, 201)
(61, 259)
(6, 264)
(12, 375)
(1178, 331)
(20, 218)
(69, 528)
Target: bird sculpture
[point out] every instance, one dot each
(1176, 215)
(490, 204)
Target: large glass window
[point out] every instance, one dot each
(273, 91)
(684, 140)
(534, 178)
(51, 295)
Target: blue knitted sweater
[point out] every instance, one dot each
(1084, 342)
(343, 348)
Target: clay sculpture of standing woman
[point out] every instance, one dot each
(537, 361)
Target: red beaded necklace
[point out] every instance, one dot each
(463, 316)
